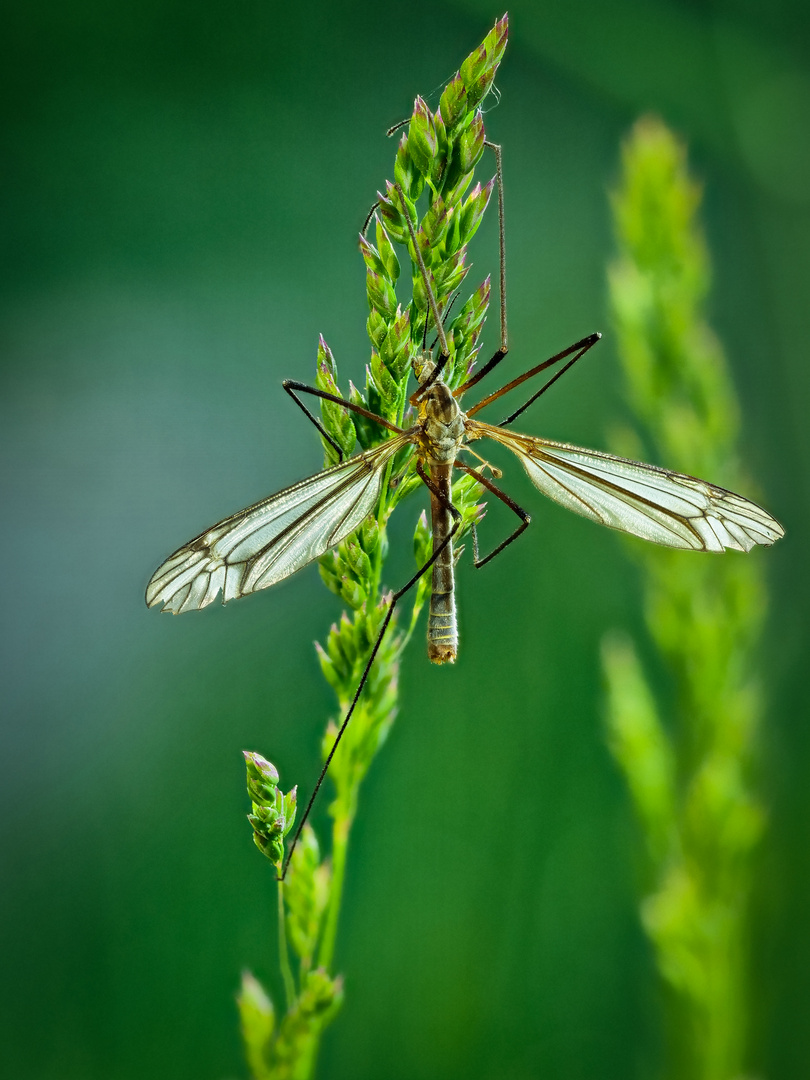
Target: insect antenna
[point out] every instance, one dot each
(369, 216)
(396, 127)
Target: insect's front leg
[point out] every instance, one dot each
(291, 386)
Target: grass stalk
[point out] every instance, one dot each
(690, 765)
(433, 177)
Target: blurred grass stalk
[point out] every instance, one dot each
(689, 769)
(434, 169)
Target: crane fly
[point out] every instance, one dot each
(266, 542)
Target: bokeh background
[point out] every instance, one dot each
(182, 190)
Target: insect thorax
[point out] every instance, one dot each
(440, 417)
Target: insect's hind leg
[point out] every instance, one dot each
(525, 520)
(291, 386)
(395, 598)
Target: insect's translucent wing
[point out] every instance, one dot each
(264, 543)
(665, 507)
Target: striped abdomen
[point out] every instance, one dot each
(442, 632)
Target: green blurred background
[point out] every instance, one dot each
(182, 190)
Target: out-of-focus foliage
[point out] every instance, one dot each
(688, 766)
(183, 183)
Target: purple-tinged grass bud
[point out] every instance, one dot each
(449, 270)
(330, 672)
(357, 559)
(457, 272)
(474, 311)
(332, 648)
(289, 807)
(474, 66)
(373, 399)
(371, 257)
(478, 70)
(273, 812)
(338, 637)
(394, 349)
(466, 328)
(326, 367)
(388, 257)
(420, 297)
(465, 491)
(328, 567)
(453, 103)
(272, 847)
(266, 819)
(392, 214)
(422, 141)
(440, 160)
(353, 593)
(456, 181)
(271, 825)
(370, 535)
(405, 172)
(401, 207)
(373, 620)
(383, 379)
(471, 143)
(452, 237)
(376, 327)
(434, 225)
(368, 431)
(347, 638)
(336, 419)
(262, 778)
(381, 294)
(473, 211)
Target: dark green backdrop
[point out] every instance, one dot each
(182, 188)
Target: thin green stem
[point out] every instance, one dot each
(340, 846)
(283, 952)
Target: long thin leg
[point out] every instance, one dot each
(525, 520)
(504, 348)
(395, 598)
(497, 150)
(324, 433)
(290, 385)
(579, 347)
(589, 342)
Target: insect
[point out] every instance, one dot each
(270, 540)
